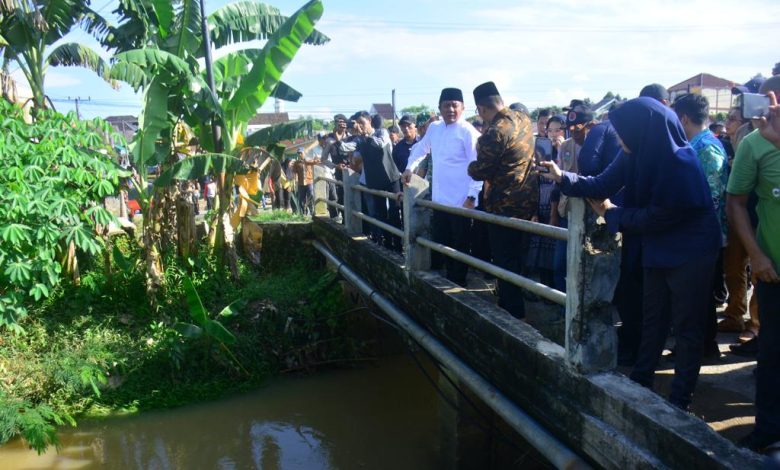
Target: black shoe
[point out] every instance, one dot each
(746, 349)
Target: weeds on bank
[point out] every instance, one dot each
(101, 348)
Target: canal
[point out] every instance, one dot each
(382, 416)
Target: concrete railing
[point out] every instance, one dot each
(592, 261)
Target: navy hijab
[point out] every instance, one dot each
(665, 170)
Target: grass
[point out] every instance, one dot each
(279, 216)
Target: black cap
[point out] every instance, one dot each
(451, 94)
(578, 114)
(751, 86)
(519, 107)
(776, 69)
(477, 123)
(485, 90)
(339, 117)
(573, 104)
(406, 119)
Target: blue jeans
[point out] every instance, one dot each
(768, 373)
(559, 260)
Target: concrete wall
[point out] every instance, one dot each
(604, 416)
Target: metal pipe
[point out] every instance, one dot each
(508, 276)
(376, 192)
(547, 444)
(330, 203)
(536, 228)
(395, 231)
(329, 180)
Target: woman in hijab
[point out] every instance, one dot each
(668, 204)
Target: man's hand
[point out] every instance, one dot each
(554, 172)
(399, 197)
(601, 206)
(763, 269)
(770, 128)
(469, 203)
(406, 176)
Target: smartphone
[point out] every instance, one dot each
(754, 105)
(542, 169)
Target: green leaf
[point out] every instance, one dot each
(103, 188)
(277, 53)
(15, 233)
(119, 258)
(278, 132)
(197, 310)
(164, 11)
(233, 308)
(152, 59)
(153, 119)
(285, 92)
(39, 291)
(197, 166)
(100, 215)
(83, 238)
(18, 272)
(188, 330)
(129, 73)
(217, 331)
(188, 26)
(245, 21)
(72, 54)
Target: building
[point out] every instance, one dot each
(263, 120)
(126, 125)
(383, 109)
(717, 90)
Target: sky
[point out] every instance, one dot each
(538, 52)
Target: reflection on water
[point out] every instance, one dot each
(373, 418)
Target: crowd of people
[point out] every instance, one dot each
(697, 204)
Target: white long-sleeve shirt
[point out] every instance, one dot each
(452, 147)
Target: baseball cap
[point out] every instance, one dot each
(578, 114)
(751, 86)
(519, 107)
(406, 120)
(572, 104)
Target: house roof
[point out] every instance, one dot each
(118, 119)
(261, 119)
(383, 109)
(702, 80)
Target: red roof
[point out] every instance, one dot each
(702, 80)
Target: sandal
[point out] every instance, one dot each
(747, 335)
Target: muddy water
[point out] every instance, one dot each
(377, 417)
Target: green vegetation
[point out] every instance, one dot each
(101, 348)
(278, 216)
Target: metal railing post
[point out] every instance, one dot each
(352, 202)
(416, 222)
(592, 272)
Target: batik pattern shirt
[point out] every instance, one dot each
(505, 158)
(712, 157)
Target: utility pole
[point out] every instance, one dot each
(393, 107)
(76, 100)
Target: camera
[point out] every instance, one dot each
(753, 105)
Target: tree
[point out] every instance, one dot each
(164, 63)
(553, 111)
(30, 28)
(413, 110)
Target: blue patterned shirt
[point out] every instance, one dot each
(713, 160)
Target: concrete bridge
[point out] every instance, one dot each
(566, 400)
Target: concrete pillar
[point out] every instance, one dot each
(593, 269)
(352, 202)
(416, 222)
(464, 444)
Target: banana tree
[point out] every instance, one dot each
(165, 64)
(30, 28)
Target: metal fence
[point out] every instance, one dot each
(412, 206)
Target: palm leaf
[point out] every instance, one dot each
(72, 54)
(278, 132)
(155, 59)
(129, 73)
(94, 24)
(267, 70)
(285, 92)
(197, 310)
(248, 21)
(186, 39)
(152, 120)
(163, 9)
(198, 166)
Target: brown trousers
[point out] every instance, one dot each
(735, 262)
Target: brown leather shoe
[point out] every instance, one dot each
(729, 325)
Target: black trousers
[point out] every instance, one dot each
(508, 248)
(453, 231)
(387, 211)
(679, 297)
(340, 191)
(628, 301)
(332, 211)
(711, 332)
(768, 371)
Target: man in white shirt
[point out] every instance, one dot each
(452, 143)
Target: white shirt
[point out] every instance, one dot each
(452, 147)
